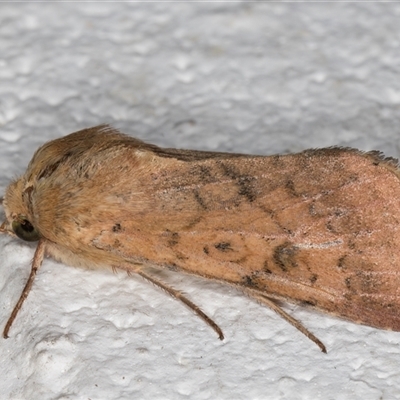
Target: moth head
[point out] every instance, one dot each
(24, 229)
(19, 219)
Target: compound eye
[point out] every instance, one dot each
(25, 230)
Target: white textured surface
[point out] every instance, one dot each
(248, 77)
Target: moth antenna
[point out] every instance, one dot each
(36, 263)
(178, 295)
(297, 324)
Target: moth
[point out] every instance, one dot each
(319, 228)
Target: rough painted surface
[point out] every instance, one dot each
(260, 78)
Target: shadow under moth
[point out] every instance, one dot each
(319, 228)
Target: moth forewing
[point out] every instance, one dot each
(318, 228)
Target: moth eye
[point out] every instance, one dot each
(25, 230)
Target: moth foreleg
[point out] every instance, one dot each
(36, 263)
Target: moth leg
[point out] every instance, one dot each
(3, 225)
(178, 295)
(271, 304)
(36, 263)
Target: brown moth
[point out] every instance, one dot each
(319, 228)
